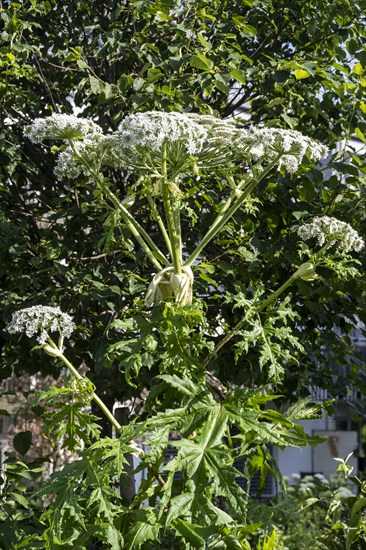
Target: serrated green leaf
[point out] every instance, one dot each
(180, 505)
(190, 533)
(301, 411)
(114, 451)
(183, 384)
(140, 533)
(101, 499)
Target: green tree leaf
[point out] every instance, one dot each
(200, 61)
(22, 442)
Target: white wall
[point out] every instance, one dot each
(294, 460)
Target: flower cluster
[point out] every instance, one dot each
(191, 141)
(41, 320)
(154, 128)
(82, 157)
(61, 126)
(327, 230)
(292, 146)
(260, 143)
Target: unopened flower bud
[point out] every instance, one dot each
(53, 352)
(306, 272)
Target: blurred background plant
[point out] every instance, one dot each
(317, 513)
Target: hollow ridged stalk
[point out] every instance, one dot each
(145, 241)
(177, 226)
(228, 211)
(173, 231)
(160, 223)
(142, 237)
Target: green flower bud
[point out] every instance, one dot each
(306, 272)
(53, 352)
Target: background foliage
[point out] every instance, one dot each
(295, 65)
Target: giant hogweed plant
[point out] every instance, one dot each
(192, 501)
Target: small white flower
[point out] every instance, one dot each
(41, 320)
(326, 229)
(61, 126)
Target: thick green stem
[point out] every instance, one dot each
(177, 226)
(325, 247)
(160, 223)
(54, 351)
(228, 211)
(174, 235)
(229, 439)
(278, 292)
(147, 244)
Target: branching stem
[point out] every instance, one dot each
(143, 238)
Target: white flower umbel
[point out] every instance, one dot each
(259, 143)
(268, 143)
(189, 140)
(40, 320)
(330, 230)
(83, 157)
(61, 126)
(154, 128)
(163, 148)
